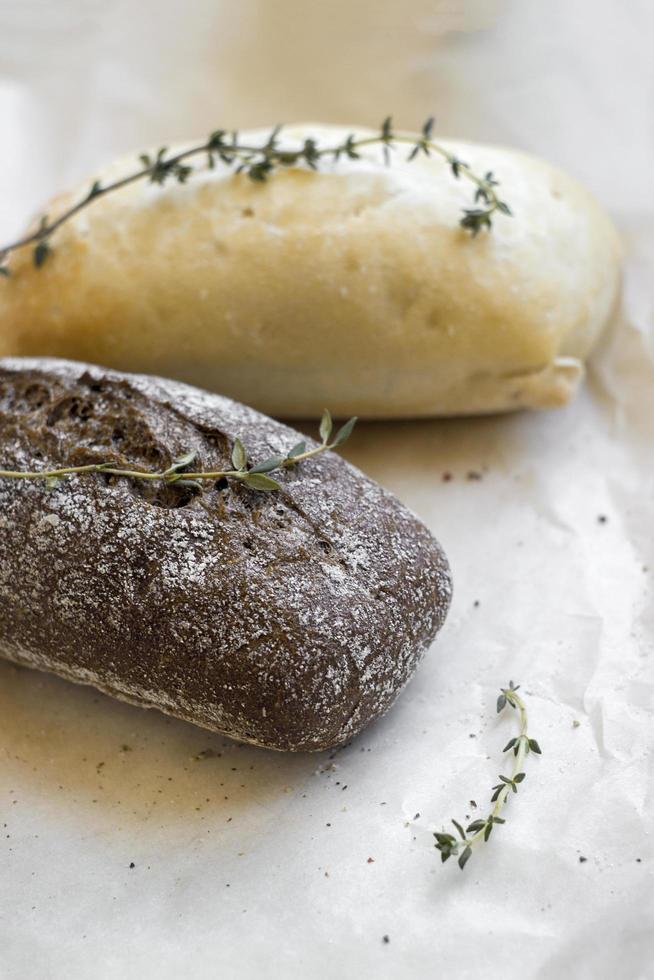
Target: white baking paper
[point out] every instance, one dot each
(134, 846)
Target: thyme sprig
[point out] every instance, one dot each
(259, 162)
(256, 476)
(481, 829)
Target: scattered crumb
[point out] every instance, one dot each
(474, 475)
(476, 603)
(473, 804)
(131, 864)
(447, 477)
(207, 754)
(576, 724)
(386, 939)
(602, 518)
(370, 861)
(582, 859)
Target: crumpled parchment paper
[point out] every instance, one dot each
(135, 846)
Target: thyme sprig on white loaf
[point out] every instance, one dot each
(254, 476)
(259, 162)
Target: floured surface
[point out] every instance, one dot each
(565, 601)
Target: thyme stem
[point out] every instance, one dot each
(260, 161)
(518, 761)
(461, 168)
(254, 476)
(50, 474)
(481, 829)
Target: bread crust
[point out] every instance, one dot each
(353, 287)
(289, 619)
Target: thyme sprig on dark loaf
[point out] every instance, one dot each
(480, 830)
(180, 472)
(260, 162)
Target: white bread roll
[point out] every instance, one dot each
(353, 288)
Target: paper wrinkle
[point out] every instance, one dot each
(251, 864)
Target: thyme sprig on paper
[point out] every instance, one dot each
(180, 473)
(259, 162)
(481, 829)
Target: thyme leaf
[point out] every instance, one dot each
(239, 455)
(326, 426)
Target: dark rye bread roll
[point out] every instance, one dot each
(289, 619)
